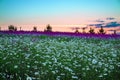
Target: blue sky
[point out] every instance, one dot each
(58, 12)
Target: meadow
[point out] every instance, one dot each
(65, 56)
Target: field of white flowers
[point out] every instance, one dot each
(30, 57)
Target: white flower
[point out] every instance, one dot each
(37, 55)
(105, 74)
(118, 64)
(4, 58)
(36, 62)
(55, 60)
(100, 75)
(69, 69)
(114, 55)
(83, 68)
(105, 69)
(87, 68)
(89, 59)
(106, 65)
(36, 73)
(53, 72)
(100, 64)
(16, 66)
(94, 61)
(44, 64)
(111, 67)
(58, 78)
(28, 66)
(29, 78)
(74, 77)
(62, 74)
(89, 52)
(27, 55)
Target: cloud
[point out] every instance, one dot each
(96, 25)
(110, 18)
(112, 24)
(99, 20)
(108, 25)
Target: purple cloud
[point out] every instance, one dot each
(110, 18)
(112, 24)
(104, 24)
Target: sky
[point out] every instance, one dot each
(60, 13)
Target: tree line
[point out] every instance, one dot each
(91, 31)
(13, 28)
(49, 29)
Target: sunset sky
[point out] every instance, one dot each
(60, 13)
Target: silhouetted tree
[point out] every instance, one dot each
(15, 29)
(76, 31)
(101, 31)
(0, 28)
(20, 28)
(83, 29)
(34, 28)
(115, 32)
(48, 28)
(12, 28)
(91, 31)
(45, 30)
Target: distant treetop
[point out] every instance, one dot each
(12, 28)
(48, 28)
